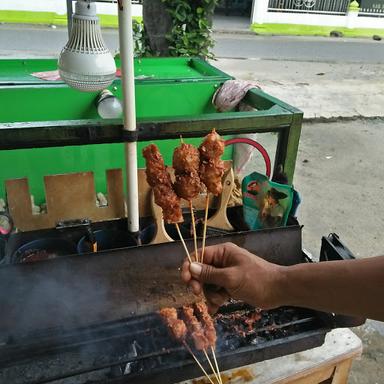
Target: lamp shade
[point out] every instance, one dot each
(85, 63)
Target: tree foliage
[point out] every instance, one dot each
(191, 27)
(188, 33)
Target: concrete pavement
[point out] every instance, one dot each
(321, 90)
(299, 48)
(339, 174)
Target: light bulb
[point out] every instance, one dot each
(109, 106)
(85, 63)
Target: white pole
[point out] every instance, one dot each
(129, 109)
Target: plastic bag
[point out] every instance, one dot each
(266, 204)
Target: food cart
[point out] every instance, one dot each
(82, 316)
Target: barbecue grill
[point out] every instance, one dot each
(112, 334)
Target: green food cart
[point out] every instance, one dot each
(48, 128)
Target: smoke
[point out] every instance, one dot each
(49, 295)
(42, 302)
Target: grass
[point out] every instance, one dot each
(312, 30)
(51, 18)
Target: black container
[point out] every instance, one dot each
(106, 240)
(43, 249)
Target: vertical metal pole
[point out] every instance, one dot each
(69, 16)
(129, 109)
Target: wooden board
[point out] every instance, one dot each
(73, 196)
(68, 197)
(219, 219)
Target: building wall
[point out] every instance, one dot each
(261, 15)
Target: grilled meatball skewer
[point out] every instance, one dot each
(211, 171)
(178, 330)
(206, 320)
(209, 331)
(199, 336)
(186, 162)
(176, 326)
(159, 179)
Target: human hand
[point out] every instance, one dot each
(232, 272)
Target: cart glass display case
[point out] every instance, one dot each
(173, 98)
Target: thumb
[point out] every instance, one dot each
(208, 274)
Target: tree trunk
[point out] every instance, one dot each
(158, 24)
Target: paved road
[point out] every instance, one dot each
(25, 41)
(319, 49)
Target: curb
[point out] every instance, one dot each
(234, 32)
(334, 119)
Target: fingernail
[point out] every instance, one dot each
(195, 269)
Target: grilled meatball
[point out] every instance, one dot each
(186, 158)
(176, 326)
(159, 179)
(212, 147)
(156, 171)
(211, 173)
(187, 185)
(167, 199)
(195, 329)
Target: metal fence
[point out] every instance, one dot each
(115, 1)
(372, 8)
(338, 7)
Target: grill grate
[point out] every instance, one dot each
(136, 350)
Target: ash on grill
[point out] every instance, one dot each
(252, 326)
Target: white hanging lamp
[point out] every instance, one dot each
(85, 63)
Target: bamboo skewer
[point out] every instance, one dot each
(216, 373)
(205, 227)
(217, 365)
(194, 231)
(183, 242)
(197, 361)
(210, 364)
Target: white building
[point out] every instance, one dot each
(339, 13)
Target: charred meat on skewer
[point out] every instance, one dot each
(179, 331)
(156, 171)
(188, 185)
(186, 158)
(195, 328)
(211, 173)
(211, 166)
(160, 180)
(186, 162)
(207, 322)
(168, 314)
(176, 326)
(167, 199)
(212, 147)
